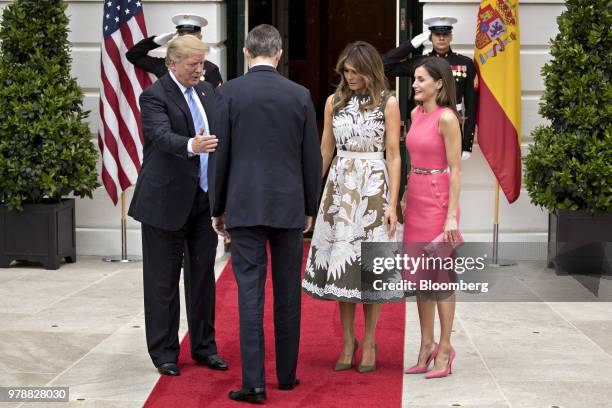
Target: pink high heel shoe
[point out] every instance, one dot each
(420, 369)
(448, 370)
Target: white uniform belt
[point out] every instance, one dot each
(361, 155)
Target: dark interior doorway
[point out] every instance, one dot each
(316, 31)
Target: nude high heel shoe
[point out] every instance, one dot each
(420, 369)
(368, 368)
(347, 366)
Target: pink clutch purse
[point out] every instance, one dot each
(440, 248)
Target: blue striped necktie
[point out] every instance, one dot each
(199, 123)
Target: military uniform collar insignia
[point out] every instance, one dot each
(446, 55)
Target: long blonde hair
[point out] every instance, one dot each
(364, 58)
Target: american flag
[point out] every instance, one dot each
(120, 134)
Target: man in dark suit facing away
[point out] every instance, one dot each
(171, 202)
(265, 182)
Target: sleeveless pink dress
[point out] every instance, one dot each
(427, 195)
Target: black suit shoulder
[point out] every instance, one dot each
(461, 59)
(299, 89)
(233, 82)
(138, 55)
(230, 87)
(156, 89)
(206, 86)
(237, 84)
(212, 74)
(401, 60)
(157, 85)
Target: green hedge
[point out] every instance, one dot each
(45, 146)
(569, 165)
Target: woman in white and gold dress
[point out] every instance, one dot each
(360, 199)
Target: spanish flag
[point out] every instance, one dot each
(497, 56)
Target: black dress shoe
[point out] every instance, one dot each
(252, 395)
(169, 369)
(289, 387)
(215, 362)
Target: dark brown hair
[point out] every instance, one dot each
(439, 69)
(364, 58)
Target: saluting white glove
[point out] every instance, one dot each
(465, 155)
(163, 38)
(418, 40)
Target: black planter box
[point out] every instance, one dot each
(42, 233)
(579, 242)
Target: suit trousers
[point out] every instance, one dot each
(163, 254)
(249, 262)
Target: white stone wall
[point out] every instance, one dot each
(520, 221)
(98, 221)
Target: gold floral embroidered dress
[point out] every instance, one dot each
(352, 208)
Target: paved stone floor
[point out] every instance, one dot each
(544, 341)
(547, 344)
(80, 326)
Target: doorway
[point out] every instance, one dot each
(315, 32)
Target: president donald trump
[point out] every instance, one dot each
(171, 202)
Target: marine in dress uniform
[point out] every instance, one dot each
(401, 61)
(185, 24)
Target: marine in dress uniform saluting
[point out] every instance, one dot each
(401, 61)
(185, 24)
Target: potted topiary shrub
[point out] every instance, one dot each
(46, 151)
(568, 169)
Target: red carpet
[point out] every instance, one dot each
(320, 344)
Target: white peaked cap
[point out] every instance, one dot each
(192, 20)
(440, 23)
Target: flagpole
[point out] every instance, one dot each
(124, 258)
(495, 261)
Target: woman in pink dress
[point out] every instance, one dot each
(432, 199)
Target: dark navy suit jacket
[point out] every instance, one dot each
(267, 168)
